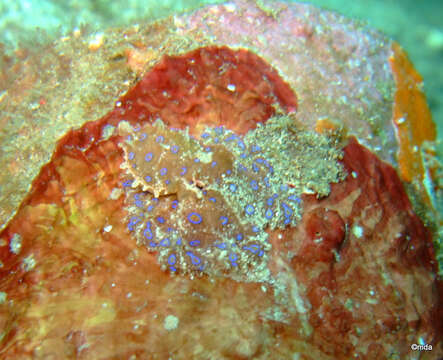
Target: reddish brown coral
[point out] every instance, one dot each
(75, 284)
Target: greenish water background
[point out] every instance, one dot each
(416, 25)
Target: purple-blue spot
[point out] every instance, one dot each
(160, 139)
(233, 187)
(239, 236)
(165, 242)
(174, 149)
(255, 229)
(224, 220)
(174, 204)
(269, 214)
(194, 259)
(196, 160)
(212, 199)
(127, 183)
(254, 185)
(148, 178)
(249, 209)
(220, 246)
(184, 170)
(232, 258)
(194, 242)
(194, 218)
(252, 248)
(149, 156)
(160, 219)
(171, 259)
(214, 163)
(131, 156)
(163, 171)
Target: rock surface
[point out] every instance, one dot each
(352, 274)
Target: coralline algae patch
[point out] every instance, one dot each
(205, 204)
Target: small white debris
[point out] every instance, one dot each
(115, 194)
(231, 87)
(354, 174)
(28, 263)
(400, 120)
(128, 295)
(357, 231)
(96, 42)
(263, 288)
(107, 228)
(3, 297)
(15, 244)
(171, 322)
(107, 131)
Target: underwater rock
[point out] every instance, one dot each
(228, 206)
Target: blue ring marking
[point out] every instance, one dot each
(249, 209)
(284, 187)
(255, 168)
(205, 135)
(137, 196)
(224, 220)
(228, 172)
(241, 167)
(194, 259)
(173, 269)
(127, 183)
(194, 242)
(294, 198)
(232, 187)
(172, 259)
(174, 204)
(148, 178)
(139, 203)
(160, 139)
(213, 199)
(208, 149)
(153, 244)
(213, 163)
(204, 192)
(270, 201)
(179, 241)
(160, 219)
(241, 144)
(163, 171)
(254, 248)
(143, 136)
(287, 210)
(239, 236)
(254, 184)
(130, 226)
(131, 156)
(231, 137)
(184, 170)
(150, 207)
(165, 242)
(255, 228)
(287, 221)
(134, 220)
(174, 149)
(255, 148)
(221, 246)
(269, 214)
(147, 233)
(219, 130)
(196, 160)
(266, 179)
(149, 156)
(199, 218)
(232, 258)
